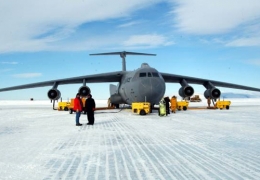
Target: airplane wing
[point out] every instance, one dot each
(96, 78)
(173, 78)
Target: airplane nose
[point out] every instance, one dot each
(152, 89)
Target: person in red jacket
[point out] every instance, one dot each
(78, 107)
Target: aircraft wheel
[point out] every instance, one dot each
(184, 108)
(142, 112)
(227, 107)
(66, 109)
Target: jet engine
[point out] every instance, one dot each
(186, 91)
(213, 93)
(84, 91)
(53, 94)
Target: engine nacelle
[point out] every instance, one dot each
(53, 94)
(186, 91)
(84, 91)
(213, 93)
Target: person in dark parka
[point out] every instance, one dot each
(167, 104)
(90, 106)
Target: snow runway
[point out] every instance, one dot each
(39, 143)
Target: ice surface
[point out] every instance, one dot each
(37, 142)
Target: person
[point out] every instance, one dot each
(90, 106)
(173, 103)
(167, 104)
(78, 106)
(209, 101)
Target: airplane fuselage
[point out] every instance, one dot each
(142, 85)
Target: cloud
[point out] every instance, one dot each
(129, 24)
(34, 26)
(254, 62)
(147, 40)
(27, 75)
(7, 62)
(252, 41)
(215, 16)
(5, 70)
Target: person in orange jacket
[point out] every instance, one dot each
(173, 103)
(90, 106)
(78, 107)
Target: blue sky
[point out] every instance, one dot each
(52, 39)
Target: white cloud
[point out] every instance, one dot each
(5, 70)
(147, 40)
(215, 16)
(129, 24)
(254, 62)
(27, 75)
(34, 25)
(251, 41)
(6, 62)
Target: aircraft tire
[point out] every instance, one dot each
(227, 107)
(66, 109)
(184, 108)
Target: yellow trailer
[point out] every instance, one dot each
(63, 106)
(182, 105)
(223, 104)
(141, 108)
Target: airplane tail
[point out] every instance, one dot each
(123, 55)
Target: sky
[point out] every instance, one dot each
(37, 142)
(52, 39)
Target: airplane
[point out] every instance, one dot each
(146, 84)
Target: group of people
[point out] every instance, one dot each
(90, 106)
(173, 102)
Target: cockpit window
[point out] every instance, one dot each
(142, 74)
(155, 74)
(149, 74)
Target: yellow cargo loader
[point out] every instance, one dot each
(63, 106)
(182, 105)
(223, 104)
(141, 108)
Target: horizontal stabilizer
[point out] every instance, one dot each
(123, 53)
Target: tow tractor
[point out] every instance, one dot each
(182, 105)
(141, 108)
(223, 104)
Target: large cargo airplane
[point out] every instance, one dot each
(144, 84)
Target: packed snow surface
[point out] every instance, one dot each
(37, 142)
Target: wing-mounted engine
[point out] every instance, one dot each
(212, 91)
(186, 90)
(53, 94)
(84, 91)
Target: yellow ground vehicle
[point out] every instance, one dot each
(195, 98)
(223, 104)
(63, 106)
(182, 105)
(141, 108)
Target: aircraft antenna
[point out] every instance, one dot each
(123, 56)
